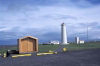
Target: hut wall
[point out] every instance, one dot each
(28, 45)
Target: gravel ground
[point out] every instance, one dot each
(90, 57)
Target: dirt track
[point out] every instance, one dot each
(90, 57)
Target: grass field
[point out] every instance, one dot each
(7, 47)
(45, 48)
(72, 46)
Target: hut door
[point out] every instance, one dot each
(23, 47)
(30, 45)
(26, 45)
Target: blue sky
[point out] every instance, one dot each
(43, 18)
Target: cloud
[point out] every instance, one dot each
(4, 29)
(43, 18)
(59, 16)
(20, 4)
(94, 2)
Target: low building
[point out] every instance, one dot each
(78, 41)
(54, 42)
(81, 41)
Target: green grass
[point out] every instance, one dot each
(4, 49)
(82, 46)
(72, 46)
(46, 48)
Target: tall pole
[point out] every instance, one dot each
(87, 33)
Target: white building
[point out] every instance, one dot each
(81, 42)
(63, 34)
(78, 41)
(54, 42)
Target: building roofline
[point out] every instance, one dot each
(28, 37)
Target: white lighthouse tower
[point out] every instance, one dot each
(63, 34)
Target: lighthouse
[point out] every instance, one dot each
(63, 34)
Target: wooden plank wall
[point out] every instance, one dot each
(28, 45)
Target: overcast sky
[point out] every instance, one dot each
(43, 18)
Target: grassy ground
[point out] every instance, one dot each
(82, 46)
(3, 49)
(45, 48)
(72, 46)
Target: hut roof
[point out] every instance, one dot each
(29, 37)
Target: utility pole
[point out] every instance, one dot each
(87, 33)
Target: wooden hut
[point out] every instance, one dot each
(28, 44)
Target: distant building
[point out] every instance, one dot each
(78, 41)
(54, 42)
(81, 41)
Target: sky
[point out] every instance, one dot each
(43, 18)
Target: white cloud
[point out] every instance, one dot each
(5, 29)
(48, 18)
